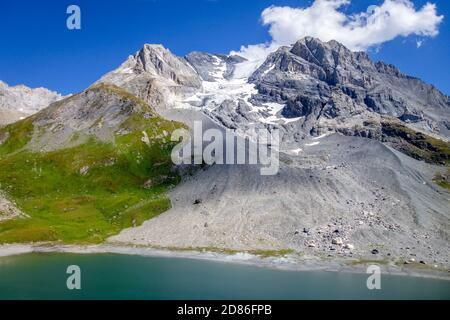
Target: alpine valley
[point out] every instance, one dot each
(364, 159)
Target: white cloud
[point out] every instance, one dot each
(324, 20)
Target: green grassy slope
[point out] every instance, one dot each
(86, 193)
(15, 136)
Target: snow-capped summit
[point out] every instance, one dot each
(310, 87)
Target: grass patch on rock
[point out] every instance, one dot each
(257, 252)
(443, 179)
(358, 262)
(415, 144)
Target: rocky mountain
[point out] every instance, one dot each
(155, 75)
(18, 102)
(312, 87)
(337, 194)
(335, 88)
(84, 168)
(309, 88)
(351, 184)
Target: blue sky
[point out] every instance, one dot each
(38, 50)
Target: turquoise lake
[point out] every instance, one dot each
(113, 276)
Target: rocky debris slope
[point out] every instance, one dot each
(345, 196)
(334, 195)
(20, 101)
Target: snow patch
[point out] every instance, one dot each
(245, 69)
(289, 120)
(268, 70)
(145, 139)
(296, 151)
(214, 93)
(273, 109)
(127, 70)
(240, 256)
(234, 89)
(321, 136)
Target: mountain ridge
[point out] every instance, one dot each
(20, 101)
(330, 66)
(101, 158)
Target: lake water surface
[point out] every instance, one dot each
(113, 276)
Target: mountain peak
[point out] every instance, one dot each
(327, 78)
(316, 47)
(155, 75)
(331, 44)
(20, 101)
(154, 47)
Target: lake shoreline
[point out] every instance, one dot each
(289, 262)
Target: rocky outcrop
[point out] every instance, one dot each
(8, 209)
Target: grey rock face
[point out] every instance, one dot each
(155, 75)
(8, 116)
(333, 83)
(372, 195)
(158, 61)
